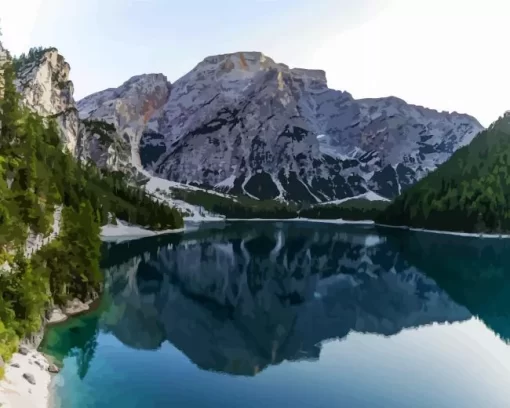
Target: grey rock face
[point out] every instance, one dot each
(29, 377)
(242, 123)
(129, 108)
(23, 350)
(46, 89)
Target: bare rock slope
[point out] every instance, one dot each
(241, 123)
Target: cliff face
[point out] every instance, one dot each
(242, 123)
(43, 80)
(44, 84)
(129, 108)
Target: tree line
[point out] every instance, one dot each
(248, 208)
(468, 193)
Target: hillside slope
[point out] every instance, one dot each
(469, 193)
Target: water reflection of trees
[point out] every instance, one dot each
(475, 272)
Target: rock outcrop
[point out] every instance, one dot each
(43, 80)
(45, 87)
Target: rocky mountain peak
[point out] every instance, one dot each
(250, 61)
(243, 65)
(43, 81)
(45, 87)
(129, 107)
(245, 124)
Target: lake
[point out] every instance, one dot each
(269, 314)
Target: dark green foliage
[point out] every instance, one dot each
(34, 54)
(470, 192)
(353, 210)
(238, 207)
(103, 129)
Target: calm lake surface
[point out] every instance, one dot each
(293, 314)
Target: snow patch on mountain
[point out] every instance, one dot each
(370, 196)
(161, 189)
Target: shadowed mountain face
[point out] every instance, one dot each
(245, 297)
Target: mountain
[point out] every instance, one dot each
(244, 124)
(468, 193)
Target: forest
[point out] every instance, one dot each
(237, 207)
(468, 193)
(36, 177)
(246, 208)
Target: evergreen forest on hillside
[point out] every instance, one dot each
(36, 178)
(468, 193)
(247, 208)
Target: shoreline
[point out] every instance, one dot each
(455, 233)
(328, 221)
(121, 232)
(15, 389)
(370, 222)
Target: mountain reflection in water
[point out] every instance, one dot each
(242, 297)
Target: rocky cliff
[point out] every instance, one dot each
(43, 80)
(242, 123)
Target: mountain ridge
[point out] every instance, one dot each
(244, 117)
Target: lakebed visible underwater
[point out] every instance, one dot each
(269, 314)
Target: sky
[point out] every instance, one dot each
(451, 55)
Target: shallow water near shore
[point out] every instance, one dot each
(306, 314)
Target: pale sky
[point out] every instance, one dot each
(449, 55)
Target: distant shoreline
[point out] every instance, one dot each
(125, 232)
(370, 222)
(456, 233)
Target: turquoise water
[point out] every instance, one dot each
(293, 314)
